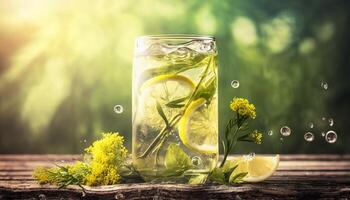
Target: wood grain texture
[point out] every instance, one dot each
(298, 177)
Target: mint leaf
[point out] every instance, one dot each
(208, 90)
(176, 159)
(199, 179)
(177, 103)
(217, 175)
(237, 178)
(162, 114)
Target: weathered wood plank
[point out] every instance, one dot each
(299, 176)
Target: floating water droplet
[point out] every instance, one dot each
(281, 139)
(196, 160)
(323, 133)
(311, 125)
(118, 109)
(285, 131)
(323, 118)
(42, 196)
(324, 85)
(331, 137)
(331, 122)
(309, 136)
(270, 132)
(235, 84)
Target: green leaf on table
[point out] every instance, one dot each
(226, 174)
(217, 175)
(199, 179)
(176, 158)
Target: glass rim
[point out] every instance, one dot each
(175, 37)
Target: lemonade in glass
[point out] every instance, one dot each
(175, 106)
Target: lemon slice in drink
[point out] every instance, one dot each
(196, 130)
(162, 89)
(258, 167)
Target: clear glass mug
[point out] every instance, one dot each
(175, 106)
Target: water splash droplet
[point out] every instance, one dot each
(311, 125)
(324, 85)
(285, 131)
(308, 136)
(331, 122)
(196, 160)
(206, 46)
(250, 156)
(270, 132)
(235, 84)
(323, 133)
(118, 109)
(331, 137)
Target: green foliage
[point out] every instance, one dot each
(176, 159)
(226, 174)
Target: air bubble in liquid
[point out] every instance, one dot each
(196, 160)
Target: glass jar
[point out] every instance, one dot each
(175, 106)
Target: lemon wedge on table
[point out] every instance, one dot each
(196, 130)
(162, 89)
(259, 167)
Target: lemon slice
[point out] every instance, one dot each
(258, 167)
(169, 77)
(197, 128)
(162, 89)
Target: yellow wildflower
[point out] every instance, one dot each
(42, 175)
(243, 107)
(107, 157)
(256, 136)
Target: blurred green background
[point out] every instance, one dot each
(65, 64)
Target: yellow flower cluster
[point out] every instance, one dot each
(256, 136)
(243, 107)
(102, 164)
(42, 175)
(107, 156)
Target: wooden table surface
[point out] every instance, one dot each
(298, 177)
